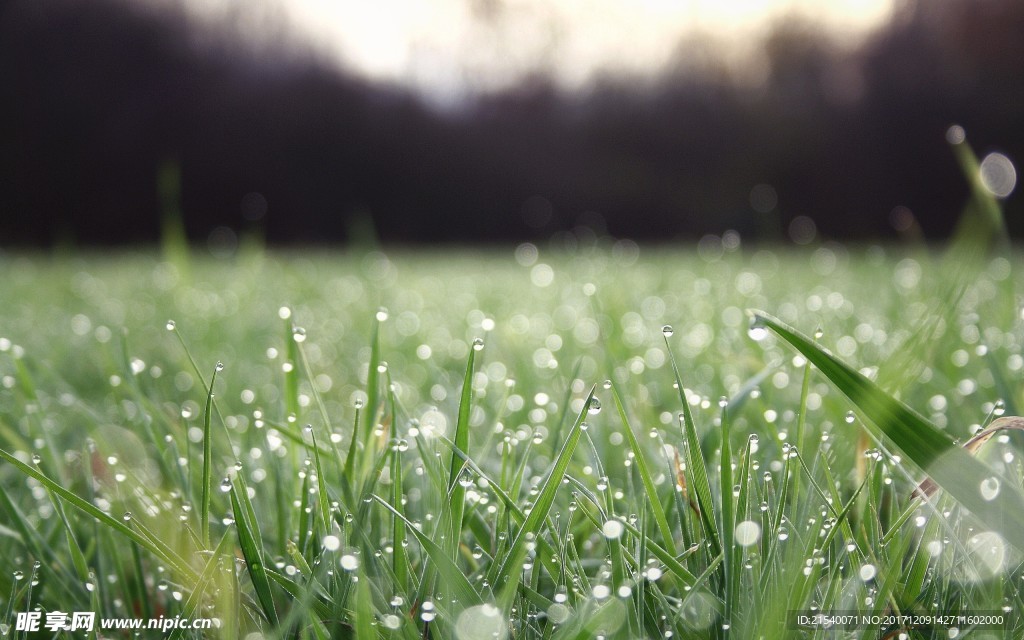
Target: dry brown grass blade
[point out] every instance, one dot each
(681, 479)
(927, 488)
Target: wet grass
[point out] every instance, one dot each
(547, 443)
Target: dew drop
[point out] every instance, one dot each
(595, 406)
(170, 325)
(219, 367)
(612, 529)
(850, 417)
(478, 344)
(358, 403)
(989, 489)
(819, 333)
(667, 330)
(299, 334)
(607, 384)
(225, 485)
(382, 314)
(349, 562)
(36, 458)
(867, 572)
(332, 543)
(757, 330)
(748, 533)
(127, 516)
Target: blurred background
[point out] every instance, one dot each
(476, 121)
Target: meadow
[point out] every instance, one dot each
(595, 439)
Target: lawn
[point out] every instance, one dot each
(573, 441)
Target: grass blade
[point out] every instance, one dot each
(695, 463)
(161, 551)
(934, 451)
(645, 476)
(252, 548)
(448, 571)
(207, 488)
(501, 577)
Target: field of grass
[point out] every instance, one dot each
(592, 441)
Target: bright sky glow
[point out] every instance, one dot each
(446, 47)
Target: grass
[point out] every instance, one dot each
(518, 447)
(447, 468)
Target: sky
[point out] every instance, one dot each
(446, 48)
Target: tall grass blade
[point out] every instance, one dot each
(207, 483)
(251, 545)
(501, 574)
(645, 476)
(695, 463)
(455, 488)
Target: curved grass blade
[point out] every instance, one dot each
(448, 571)
(950, 467)
(928, 487)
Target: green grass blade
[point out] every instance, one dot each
(447, 570)
(252, 548)
(501, 577)
(207, 488)
(645, 476)
(695, 463)
(194, 600)
(456, 491)
(951, 468)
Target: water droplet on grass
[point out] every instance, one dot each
(667, 330)
(349, 562)
(867, 572)
(757, 331)
(595, 406)
(219, 367)
(990, 488)
(225, 485)
(612, 529)
(382, 314)
(478, 344)
(170, 325)
(748, 533)
(299, 334)
(332, 543)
